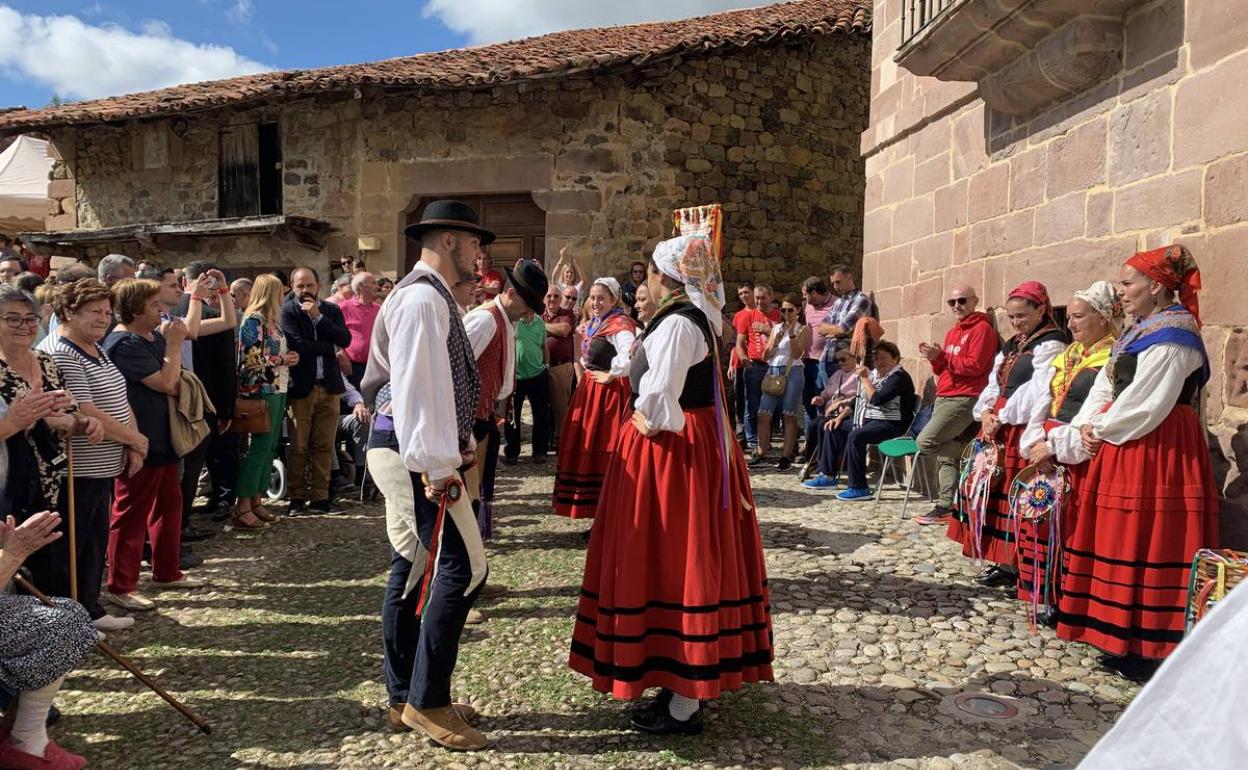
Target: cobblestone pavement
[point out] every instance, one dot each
(878, 629)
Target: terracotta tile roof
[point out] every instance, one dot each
(553, 55)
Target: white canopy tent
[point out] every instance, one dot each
(24, 169)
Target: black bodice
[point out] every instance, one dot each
(699, 390)
(1076, 394)
(601, 354)
(1124, 375)
(1025, 365)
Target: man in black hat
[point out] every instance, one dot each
(422, 377)
(492, 332)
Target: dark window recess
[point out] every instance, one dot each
(249, 174)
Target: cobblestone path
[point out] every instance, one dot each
(878, 627)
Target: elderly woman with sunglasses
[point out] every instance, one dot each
(785, 348)
(836, 423)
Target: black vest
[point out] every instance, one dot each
(1025, 366)
(699, 390)
(601, 354)
(1076, 395)
(1124, 375)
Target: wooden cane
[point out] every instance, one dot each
(122, 661)
(72, 521)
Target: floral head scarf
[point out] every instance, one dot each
(1103, 298)
(1174, 268)
(688, 259)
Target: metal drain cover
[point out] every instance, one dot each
(985, 706)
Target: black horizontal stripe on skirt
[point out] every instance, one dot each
(1091, 556)
(674, 606)
(668, 665)
(1176, 608)
(697, 638)
(1126, 634)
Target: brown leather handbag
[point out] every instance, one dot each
(251, 415)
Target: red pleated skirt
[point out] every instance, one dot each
(1034, 536)
(996, 538)
(675, 588)
(591, 432)
(1145, 508)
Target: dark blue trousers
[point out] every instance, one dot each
(421, 652)
(831, 447)
(870, 432)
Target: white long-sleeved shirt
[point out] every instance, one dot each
(671, 349)
(479, 323)
(1018, 408)
(622, 341)
(1145, 403)
(422, 391)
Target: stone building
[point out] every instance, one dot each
(1051, 140)
(587, 138)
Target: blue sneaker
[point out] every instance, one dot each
(854, 495)
(821, 481)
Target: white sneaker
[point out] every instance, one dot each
(113, 622)
(186, 583)
(132, 601)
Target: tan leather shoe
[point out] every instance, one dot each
(475, 617)
(445, 727)
(493, 591)
(394, 716)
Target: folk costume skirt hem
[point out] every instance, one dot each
(1034, 540)
(1145, 508)
(591, 431)
(675, 588)
(995, 537)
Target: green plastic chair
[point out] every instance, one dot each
(900, 448)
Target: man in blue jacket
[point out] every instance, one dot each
(315, 329)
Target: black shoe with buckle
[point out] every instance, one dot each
(659, 721)
(997, 577)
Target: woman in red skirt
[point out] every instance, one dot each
(675, 588)
(601, 405)
(1093, 318)
(1149, 501)
(1019, 379)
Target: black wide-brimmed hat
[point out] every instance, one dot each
(450, 215)
(530, 282)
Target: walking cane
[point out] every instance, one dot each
(122, 661)
(72, 522)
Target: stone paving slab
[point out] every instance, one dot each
(878, 626)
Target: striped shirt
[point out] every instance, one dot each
(98, 382)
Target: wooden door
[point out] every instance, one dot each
(516, 221)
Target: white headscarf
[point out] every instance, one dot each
(688, 259)
(610, 284)
(1103, 298)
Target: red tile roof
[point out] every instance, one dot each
(554, 55)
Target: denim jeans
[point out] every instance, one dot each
(754, 373)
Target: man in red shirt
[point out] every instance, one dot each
(961, 367)
(753, 331)
(360, 312)
(491, 279)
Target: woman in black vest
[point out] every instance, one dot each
(674, 594)
(1094, 317)
(1020, 378)
(1149, 501)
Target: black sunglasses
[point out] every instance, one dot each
(957, 301)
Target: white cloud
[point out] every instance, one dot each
(82, 61)
(239, 11)
(488, 21)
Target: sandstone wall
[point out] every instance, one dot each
(1156, 154)
(772, 133)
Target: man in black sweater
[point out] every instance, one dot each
(314, 329)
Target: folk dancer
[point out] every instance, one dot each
(675, 588)
(422, 355)
(1020, 377)
(492, 334)
(1094, 317)
(601, 405)
(1149, 500)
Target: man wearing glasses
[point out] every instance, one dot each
(961, 367)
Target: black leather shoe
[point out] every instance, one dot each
(189, 561)
(661, 722)
(659, 701)
(327, 507)
(996, 577)
(296, 507)
(194, 534)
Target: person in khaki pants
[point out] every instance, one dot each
(315, 329)
(559, 325)
(961, 366)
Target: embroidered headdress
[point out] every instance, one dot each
(688, 259)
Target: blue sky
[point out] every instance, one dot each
(80, 49)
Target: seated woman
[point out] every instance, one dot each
(39, 645)
(885, 410)
(788, 343)
(837, 400)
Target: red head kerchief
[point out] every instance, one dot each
(1174, 268)
(1034, 292)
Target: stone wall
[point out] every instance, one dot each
(771, 132)
(1158, 153)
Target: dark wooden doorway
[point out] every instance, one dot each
(520, 227)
